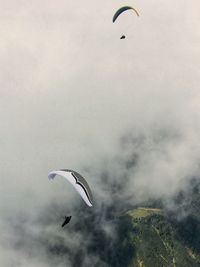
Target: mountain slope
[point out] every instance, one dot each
(153, 241)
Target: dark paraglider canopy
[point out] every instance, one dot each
(122, 9)
(67, 220)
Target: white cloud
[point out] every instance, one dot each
(73, 95)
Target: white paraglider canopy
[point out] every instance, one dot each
(78, 182)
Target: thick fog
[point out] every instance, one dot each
(124, 113)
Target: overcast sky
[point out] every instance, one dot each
(73, 95)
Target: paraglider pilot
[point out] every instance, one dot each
(67, 220)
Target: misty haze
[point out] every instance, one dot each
(122, 112)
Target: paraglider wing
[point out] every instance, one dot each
(121, 10)
(78, 182)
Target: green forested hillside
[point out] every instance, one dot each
(151, 239)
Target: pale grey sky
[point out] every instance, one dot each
(73, 95)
